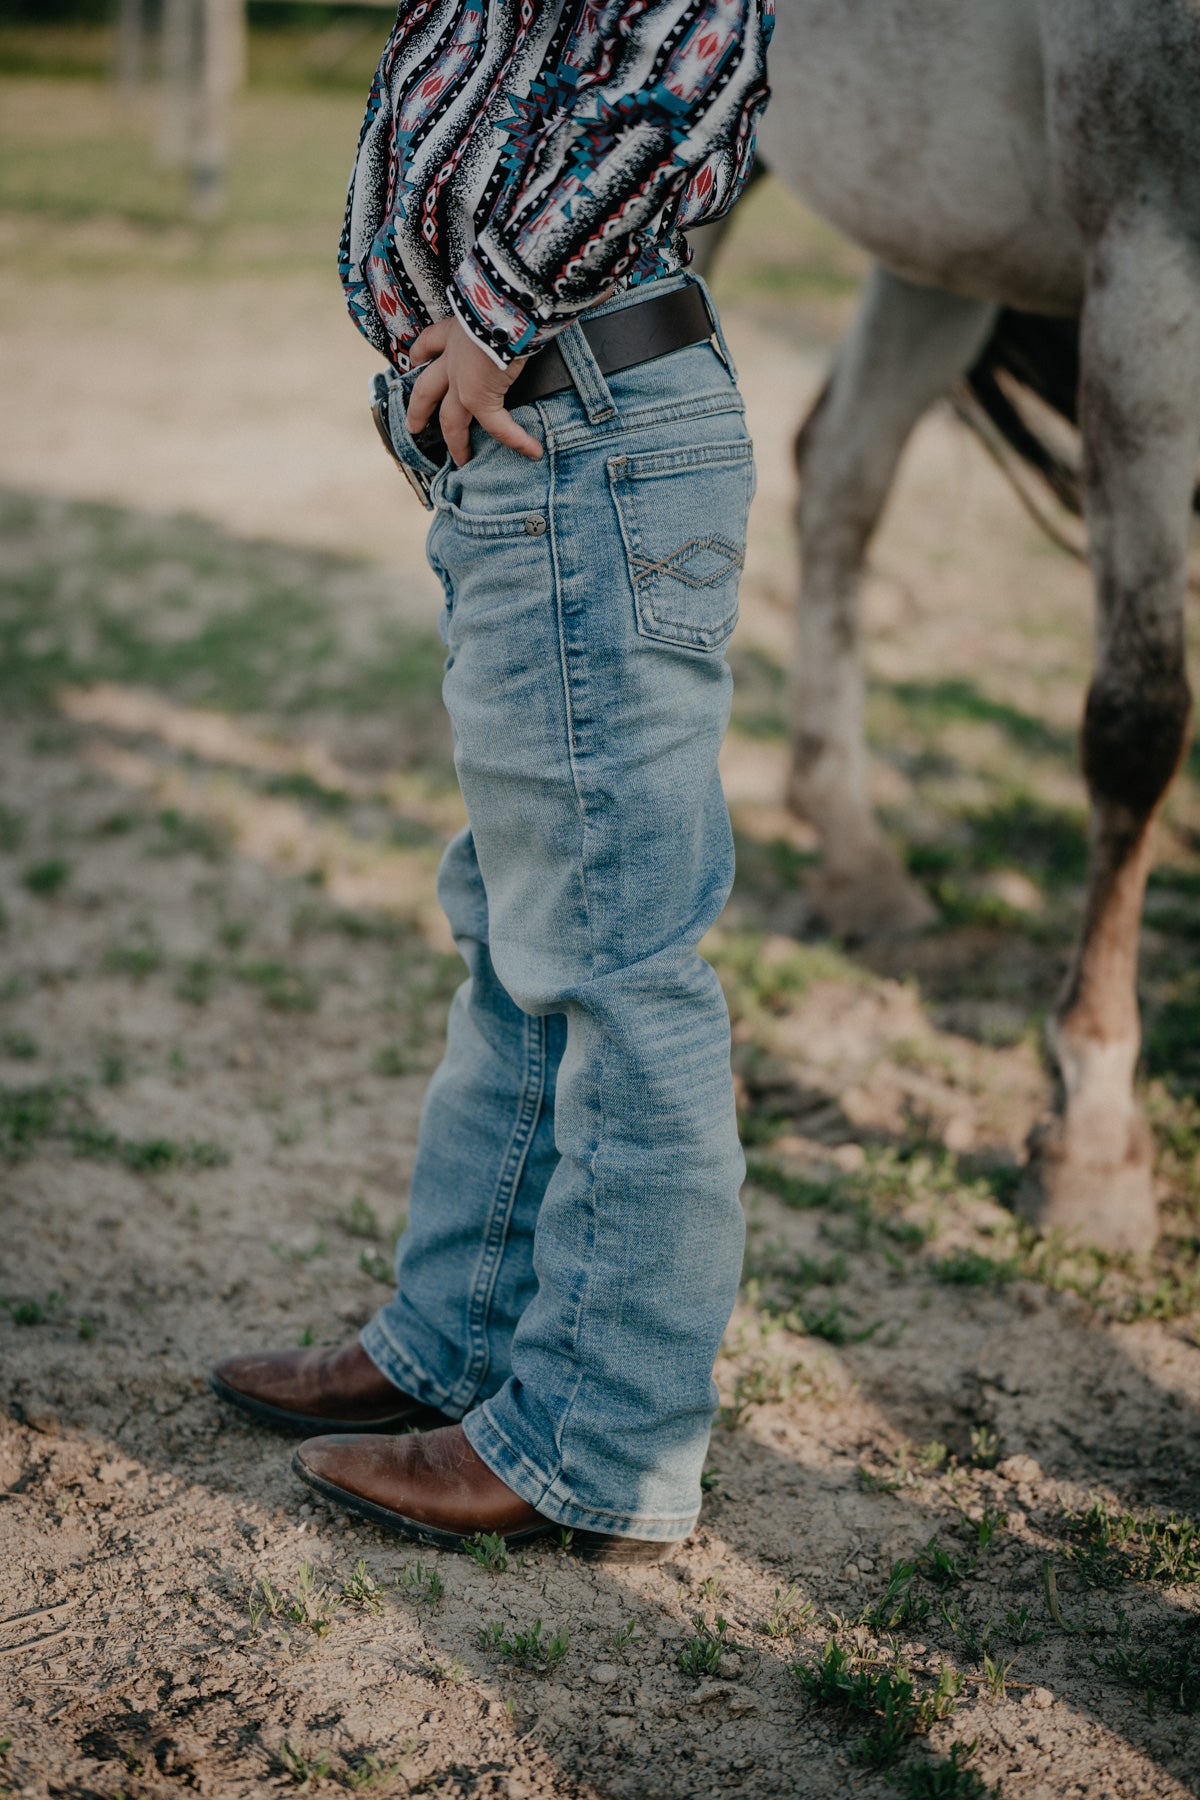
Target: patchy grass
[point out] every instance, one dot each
(701, 1655)
(882, 1697)
(311, 1605)
(57, 1110)
(951, 1779)
(1166, 1675)
(488, 1550)
(1107, 1547)
(47, 878)
(972, 1268)
(282, 986)
(26, 1114)
(178, 606)
(526, 1649)
(418, 1582)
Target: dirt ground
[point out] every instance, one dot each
(966, 1461)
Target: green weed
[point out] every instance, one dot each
(526, 1649)
(1020, 1628)
(26, 1114)
(313, 1603)
(285, 988)
(995, 1675)
(488, 1550)
(830, 1323)
(47, 878)
(303, 1770)
(420, 1583)
(196, 981)
(1107, 1547)
(971, 1268)
(1167, 1678)
(985, 1447)
(139, 958)
(360, 1219)
(907, 1465)
(310, 1606)
(19, 1045)
(884, 1696)
(701, 1655)
(361, 1590)
(294, 1253)
(180, 833)
(145, 1156)
(25, 1312)
(952, 1779)
(367, 1770)
(766, 1382)
(789, 1614)
(898, 1608)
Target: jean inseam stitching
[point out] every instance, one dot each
(500, 1211)
(425, 1387)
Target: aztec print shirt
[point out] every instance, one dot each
(519, 158)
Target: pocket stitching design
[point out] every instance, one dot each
(642, 569)
(624, 473)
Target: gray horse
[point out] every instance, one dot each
(1043, 156)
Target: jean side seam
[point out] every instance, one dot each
(565, 662)
(499, 1215)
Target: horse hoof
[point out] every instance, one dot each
(1106, 1204)
(873, 902)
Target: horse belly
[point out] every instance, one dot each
(918, 128)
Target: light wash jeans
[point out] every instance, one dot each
(575, 1235)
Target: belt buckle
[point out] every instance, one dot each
(420, 483)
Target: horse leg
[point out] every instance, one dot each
(1091, 1170)
(906, 347)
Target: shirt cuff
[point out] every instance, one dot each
(504, 327)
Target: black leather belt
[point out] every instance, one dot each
(633, 334)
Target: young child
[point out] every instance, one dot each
(575, 1236)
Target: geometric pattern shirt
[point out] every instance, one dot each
(520, 158)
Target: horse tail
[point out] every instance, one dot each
(1025, 383)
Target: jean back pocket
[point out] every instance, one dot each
(683, 517)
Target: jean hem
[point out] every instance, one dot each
(403, 1371)
(518, 1471)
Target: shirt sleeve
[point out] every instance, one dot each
(647, 125)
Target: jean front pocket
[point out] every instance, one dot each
(683, 517)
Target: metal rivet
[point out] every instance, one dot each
(535, 525)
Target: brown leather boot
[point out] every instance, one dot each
(309, 1390)
(434, 1488)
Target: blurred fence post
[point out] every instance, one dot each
(239, 58)
(127, 57)
(180, 54)
(218, 74)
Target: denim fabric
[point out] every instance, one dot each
(575, 1234)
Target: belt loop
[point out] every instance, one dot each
(594, 392)
(723, 349)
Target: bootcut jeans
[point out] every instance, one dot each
(575, 1234)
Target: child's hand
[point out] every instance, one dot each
(464, 381)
